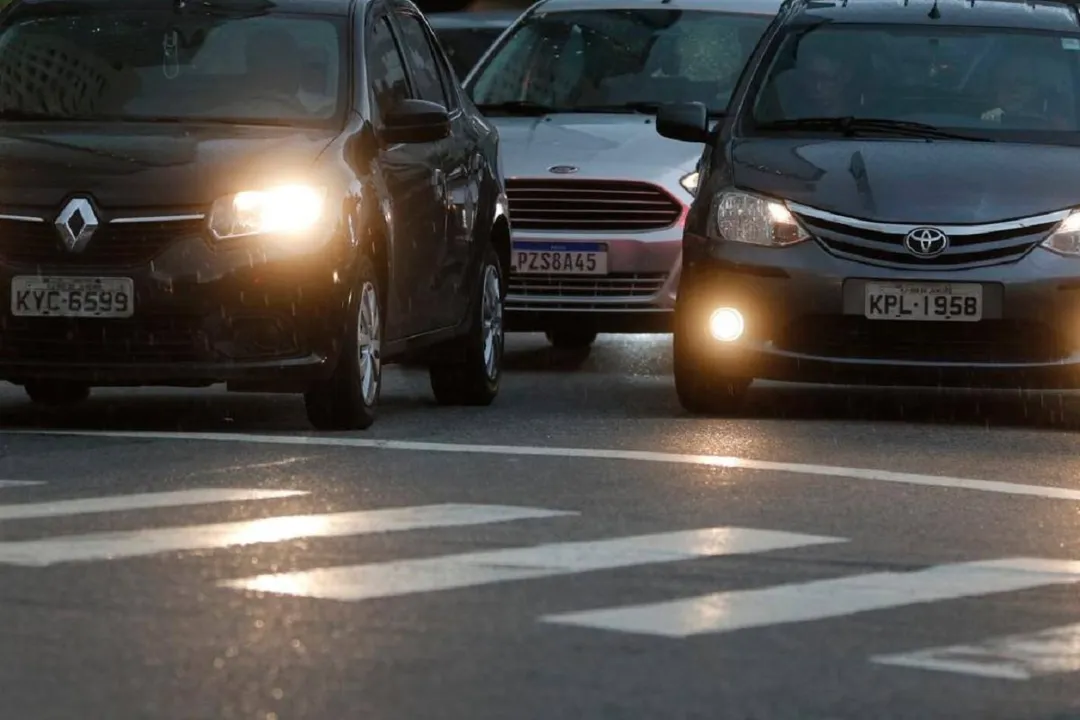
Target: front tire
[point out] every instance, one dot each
(349, 398)
(58, 393)
(473, 378)
(703, 386)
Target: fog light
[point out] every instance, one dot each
(727, 324)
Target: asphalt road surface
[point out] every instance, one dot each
(582, 549)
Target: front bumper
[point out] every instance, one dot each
(636, 295)
(251, 313)
(804, 320)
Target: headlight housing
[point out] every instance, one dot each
(742, 217)
(690, 182)
(279, 210)
(1065, 238)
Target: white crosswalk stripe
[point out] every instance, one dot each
(363, 582)
(822, 599)
(18, 483)
(1012, 657)
(143, 501)
(141, 543)
(1007, 657)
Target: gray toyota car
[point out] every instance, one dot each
(894, 198)
(596, 196)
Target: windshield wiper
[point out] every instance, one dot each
(851, 125)
(519, 107)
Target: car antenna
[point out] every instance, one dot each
(934, 13)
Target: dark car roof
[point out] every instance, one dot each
(1037, 15)
(749, 7)
(488, 19)
(321, 7)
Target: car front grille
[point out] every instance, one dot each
(987, 341)
(148, 340)
(590, 205)
(557, 292)
(113, 245)
(883, 243)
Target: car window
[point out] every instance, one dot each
(988, 80)
(614, 58)
(465, 46)
(128, 64)
(422, 61)
(386, 67)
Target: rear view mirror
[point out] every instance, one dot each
(688, 122)
(416, 121)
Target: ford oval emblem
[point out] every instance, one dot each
(562, 169)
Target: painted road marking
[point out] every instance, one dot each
(821, 599)
(883, 476)
(142, 501)
(390, 579)
(1011, 657)
(18, 483)
(141, 543)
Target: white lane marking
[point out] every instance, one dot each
(1011, 657)
(19, 483)
(885, 476)
(821, 599)
(142, 501)
(140, 543)
(389, 579)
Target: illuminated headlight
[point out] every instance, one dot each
(281, 210)
(690, 182)
(1065, 239)
(745, 218)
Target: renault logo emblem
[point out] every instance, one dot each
(77, 224)
(926, 242)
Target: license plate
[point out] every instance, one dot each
(72, 297)
(538, 258)
(924, 301)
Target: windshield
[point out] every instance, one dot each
(161, 65)
(614, 58)
(998, 82)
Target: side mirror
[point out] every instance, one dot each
(688, 122)
(416, 121)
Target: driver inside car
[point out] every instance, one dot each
(275, 67)
(1018, 95)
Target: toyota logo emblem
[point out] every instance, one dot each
(926, 242)
(562, 169)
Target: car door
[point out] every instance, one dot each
(411, 173)
(434, 82)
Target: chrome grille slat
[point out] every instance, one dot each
(590, 205)
(642, 285)
(883, 244)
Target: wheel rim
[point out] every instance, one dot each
(492, 310)
(368, 344)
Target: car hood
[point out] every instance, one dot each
(906, 181)
(599, 145)
(129, 166)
